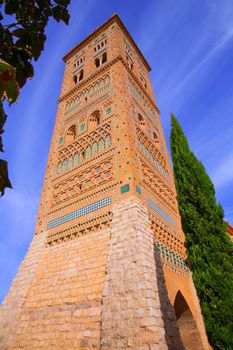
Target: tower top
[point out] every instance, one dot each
(114, 19)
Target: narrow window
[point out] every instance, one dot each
(81, 75)
(97, 62)
(141, 120)
(156, 139)
(75, 79)
(94, 120)
(71, 133)
(104, 57)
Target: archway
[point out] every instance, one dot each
(94, 119)
(71, 134)
(189, 332)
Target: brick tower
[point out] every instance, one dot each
(106, 268)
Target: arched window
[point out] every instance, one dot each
(71, 134)
(80, 75)
(104, 57)
(156, 139)
(75, 79)
(97, 62)
(141, 121)
(94, 120)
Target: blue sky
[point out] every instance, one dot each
(189, 45)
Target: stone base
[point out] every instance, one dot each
(133, 306)
(105, 290)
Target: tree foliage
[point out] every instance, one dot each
(22, 38)
(209, 248)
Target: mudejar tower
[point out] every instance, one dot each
(106, 268)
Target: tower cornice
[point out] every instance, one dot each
(114, 19)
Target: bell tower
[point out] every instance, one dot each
(106, 268)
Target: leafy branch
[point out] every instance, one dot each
(21, 43)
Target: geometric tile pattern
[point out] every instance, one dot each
(80, 212)
(160, 212)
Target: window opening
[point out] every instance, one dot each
(104, 57)
(81, 75)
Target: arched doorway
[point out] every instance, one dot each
(189, 332)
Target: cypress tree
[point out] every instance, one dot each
(209, 248)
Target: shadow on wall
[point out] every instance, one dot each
(187, 326)
(172, 333)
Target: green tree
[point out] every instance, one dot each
(209, 248)
(22, 38)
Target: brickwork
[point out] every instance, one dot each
(108, 246)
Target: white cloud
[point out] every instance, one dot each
(208, 56)
(208, 40)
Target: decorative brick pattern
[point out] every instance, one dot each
(160, 212)
(94, 224)
(80, 212)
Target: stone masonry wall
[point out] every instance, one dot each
(134, 306)
(62, 306)
(10, 309)
(104, 290)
